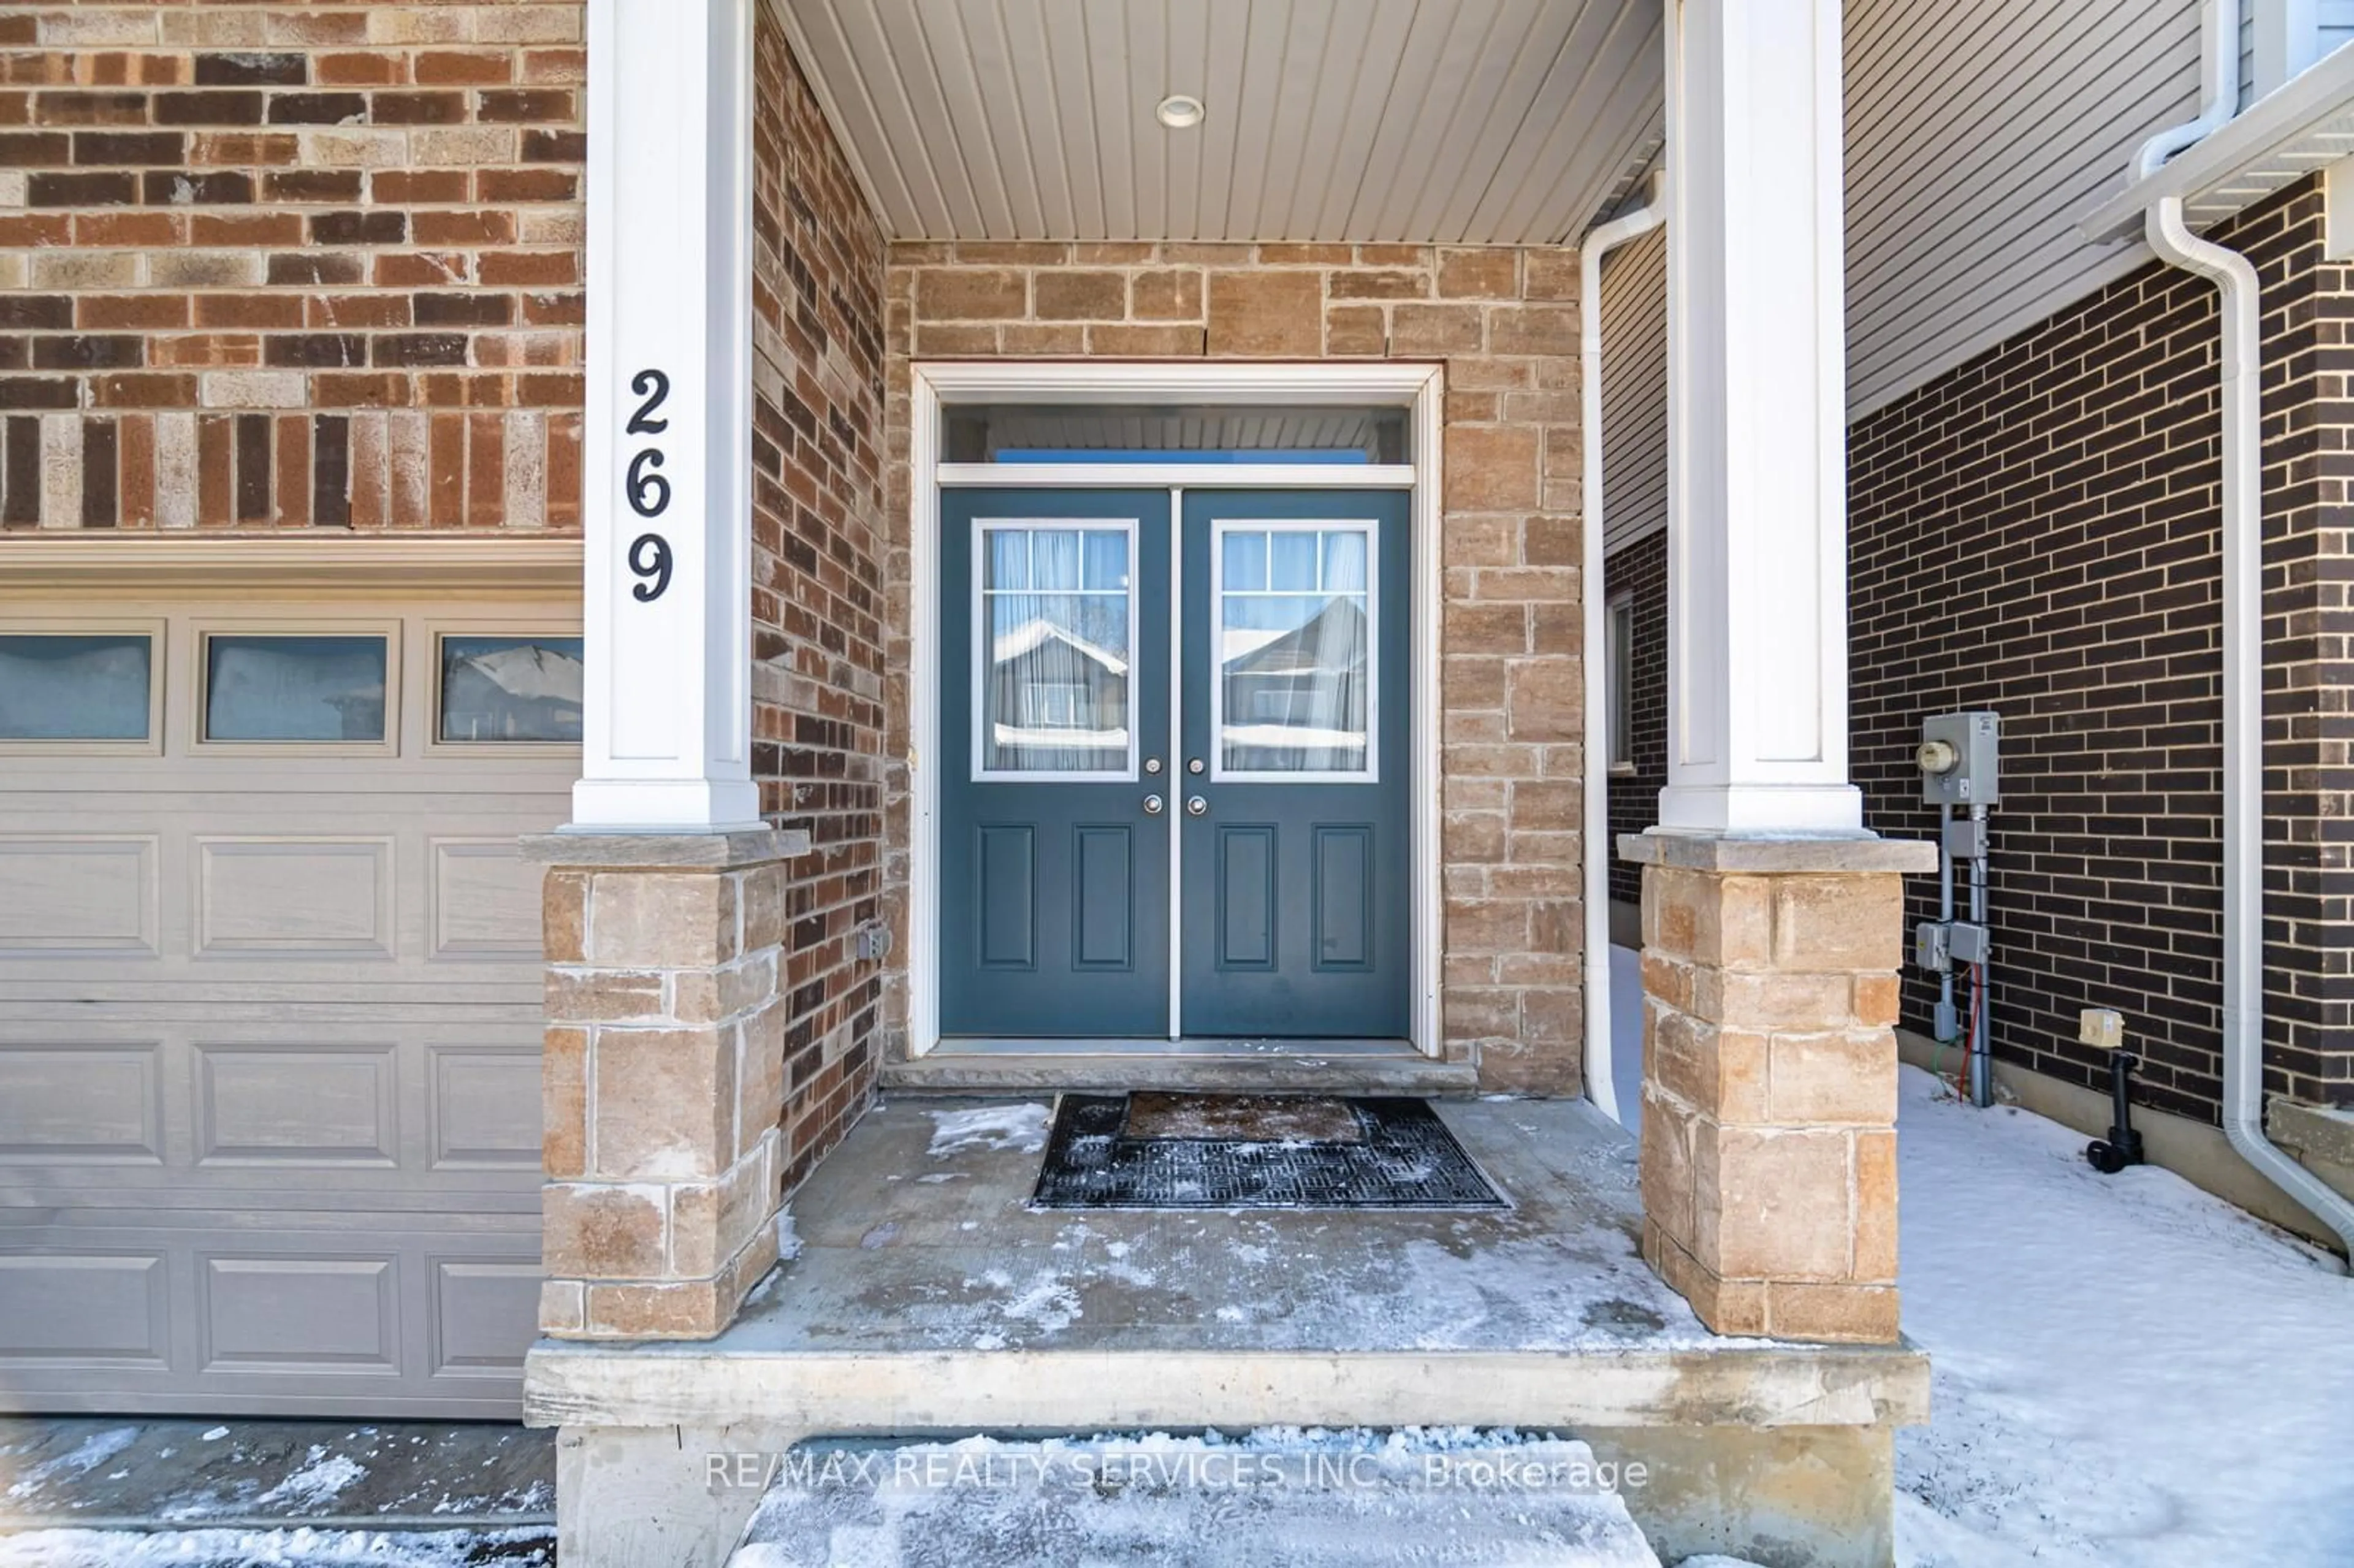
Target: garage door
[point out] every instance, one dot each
(270, 1002)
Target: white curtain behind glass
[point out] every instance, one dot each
(1294, 649)
(1055, 618)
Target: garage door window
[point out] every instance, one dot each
(509, 689)
(94, 686)
(294, 688)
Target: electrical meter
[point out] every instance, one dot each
(1957, 758)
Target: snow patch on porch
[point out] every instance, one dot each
(1020, 1127)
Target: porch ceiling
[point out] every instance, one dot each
(1472, 122)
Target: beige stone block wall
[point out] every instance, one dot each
(1770, 1097)
(1503, 323)
(663, 1085)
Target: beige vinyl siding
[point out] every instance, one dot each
(2336, 19)
(2248, 53)
(1635, 390)
(1977, 134)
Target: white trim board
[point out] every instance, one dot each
(1419, 387)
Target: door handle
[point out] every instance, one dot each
(1152, 805)
(1195, 806)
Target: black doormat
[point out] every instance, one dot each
(1381, 1154)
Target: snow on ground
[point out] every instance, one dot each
(276, 1549)
(322, 1475)
(2127, 1372)
(88, 1456)
(1305, 1498)
(1020, 1124)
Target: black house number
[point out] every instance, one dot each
(648, 492)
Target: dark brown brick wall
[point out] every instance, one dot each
(1641, 571)
(2038, 533)
(276, 266)
(819, 544)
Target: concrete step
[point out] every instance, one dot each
(1305, 1500)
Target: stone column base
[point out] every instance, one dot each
(1770, 1077)
(663, 1078)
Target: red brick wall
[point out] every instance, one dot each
(278, 266)
(1505, 323)
(2038, 533)
(819, 541)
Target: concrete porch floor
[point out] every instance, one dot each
(927, 1298)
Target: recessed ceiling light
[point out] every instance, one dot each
(1179, 111)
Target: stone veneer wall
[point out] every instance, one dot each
(1504, 322)
(290, 266)
(819, 543)
(2037, 531)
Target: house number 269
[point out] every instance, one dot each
(648, 492)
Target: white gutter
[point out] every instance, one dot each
(2286, 136)
(2241, 366)
(1600, 241)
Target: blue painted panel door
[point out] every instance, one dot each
(1054, 878)
(1296, 892)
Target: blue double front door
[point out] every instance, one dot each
(1175, 728)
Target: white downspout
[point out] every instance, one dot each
(1600, 241)
(2241, 356)
(2219, 50)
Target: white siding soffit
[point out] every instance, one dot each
(1458, 122)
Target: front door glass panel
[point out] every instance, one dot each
(1295, 689)
(1055, 618)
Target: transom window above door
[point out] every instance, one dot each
(1053, 656)
(1205, 434)
(1296, 689)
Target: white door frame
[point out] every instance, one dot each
(1417, 387)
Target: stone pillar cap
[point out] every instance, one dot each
(1774, 852)
(666, 851)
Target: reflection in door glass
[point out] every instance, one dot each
(1295, 686)
(1055, 609)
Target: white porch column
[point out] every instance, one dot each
(667, 459)
(1757, 414)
